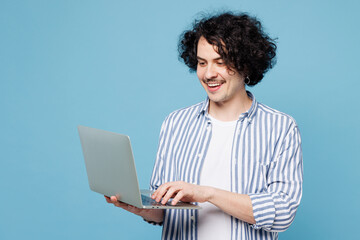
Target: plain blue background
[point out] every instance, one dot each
(114, 65)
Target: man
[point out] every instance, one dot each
(239, 159)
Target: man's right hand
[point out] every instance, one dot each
(153, 215)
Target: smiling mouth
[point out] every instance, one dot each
(213, 85)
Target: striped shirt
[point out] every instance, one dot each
(266, 164)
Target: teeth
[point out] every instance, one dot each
(213, 84)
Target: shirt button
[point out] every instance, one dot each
(199, 155)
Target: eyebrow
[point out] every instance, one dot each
(200, 58)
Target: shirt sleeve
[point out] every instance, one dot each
(275, 209)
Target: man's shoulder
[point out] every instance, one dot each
(274, 114)
(186, 113)
(193, 108)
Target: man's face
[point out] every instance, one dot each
(220, 83)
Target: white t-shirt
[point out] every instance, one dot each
(212, 222)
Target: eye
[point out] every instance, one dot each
(220, 63)
(201, 64)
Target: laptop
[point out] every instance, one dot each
(110, 168)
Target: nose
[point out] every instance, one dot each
(210, 71)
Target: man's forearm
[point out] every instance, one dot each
(234, 204)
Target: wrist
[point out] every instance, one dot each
(211, 191)
(153, 216)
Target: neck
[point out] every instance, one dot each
(232, 109)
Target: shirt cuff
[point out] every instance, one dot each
(153, 223)
(263, 210)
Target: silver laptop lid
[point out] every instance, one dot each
(110, 164)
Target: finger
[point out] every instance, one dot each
(113, 199)
(157, 191)
(170, 192)
(160, 192)
(177, 198)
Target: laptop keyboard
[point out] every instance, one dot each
(148, 201)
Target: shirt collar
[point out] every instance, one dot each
(249, 114)
(252, 111)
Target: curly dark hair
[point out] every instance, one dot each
(240, 41)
